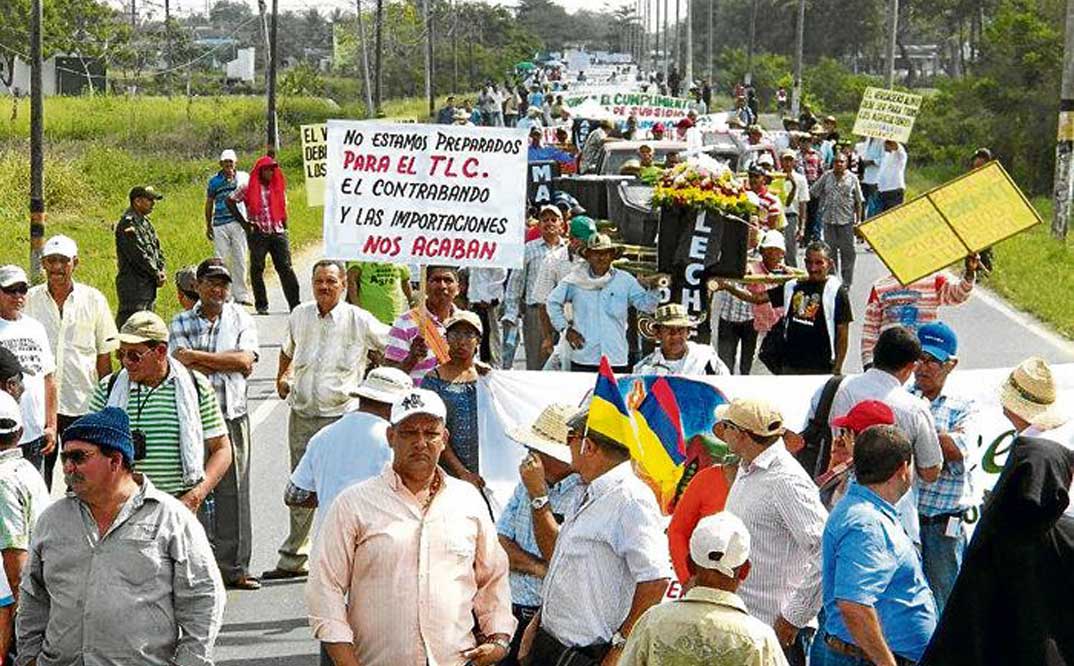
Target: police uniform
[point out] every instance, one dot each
(139, 260)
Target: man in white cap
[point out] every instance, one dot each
(421, 539)
(219, 339)
(549, 490)
(81, 333)
(711, 625)
(676, 355)
(221, 226)
(25, 337)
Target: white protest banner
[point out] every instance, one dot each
(887, 114)
(425, 194)
(647, 108)
(314, 152)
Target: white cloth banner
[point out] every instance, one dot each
(427, 194)
(509, 398)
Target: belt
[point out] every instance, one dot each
(851, 650)
(942, 518)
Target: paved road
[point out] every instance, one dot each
(268, 627)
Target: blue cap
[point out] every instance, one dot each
(938, 340)
(109, 428)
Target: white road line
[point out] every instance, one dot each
(263, 411)
(1024, 320)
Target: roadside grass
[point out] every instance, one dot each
(98, 148)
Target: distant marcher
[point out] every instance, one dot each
(710, 625)
(81, 332)
(446, 114)
(218, 338)
(265, 220)
(186, 286)
(891, 179)
(322, 360)
(421, 539)
(795, 204)
(74, 608)
(878, 608)
(382, 289)
(223, 228)
(416, 334)
(456, 383)
(28, 340)
(139, 258)
(840, 209)
(672, 327)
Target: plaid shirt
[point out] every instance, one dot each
(731, 309)
(189, 330)
(951, 492)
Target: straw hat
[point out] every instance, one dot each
(548, 434)
(598, 242)
(1030, 392)
(672, 314)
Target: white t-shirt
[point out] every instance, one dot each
(351, 450)
(892, 175)
(27, 339)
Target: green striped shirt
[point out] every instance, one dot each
(154, 412)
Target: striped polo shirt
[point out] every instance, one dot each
(154, 412)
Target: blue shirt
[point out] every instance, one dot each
(547, 154)
(869, 560)
(220, 188)
(953, 490)
(600, 315)
(516, 524)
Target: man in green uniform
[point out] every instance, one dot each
(139, 258)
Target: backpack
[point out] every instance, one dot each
(817, 451)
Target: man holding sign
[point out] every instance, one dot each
(417, 341)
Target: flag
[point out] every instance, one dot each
(661, 441)
(608, 413)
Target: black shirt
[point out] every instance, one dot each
(807, 345)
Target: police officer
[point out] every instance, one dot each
(138, 255)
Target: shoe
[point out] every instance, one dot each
(247, 303)
(244, 583)
(262, 311)
(283, 574)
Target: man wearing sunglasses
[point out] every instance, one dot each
(27, 339)
(119, 572)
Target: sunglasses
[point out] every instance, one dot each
(19, 290)
(130, 355)
(76, 457)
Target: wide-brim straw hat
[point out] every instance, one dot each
(548, 434)
(672, 314)
(1030, 392)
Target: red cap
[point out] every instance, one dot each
(865, 414)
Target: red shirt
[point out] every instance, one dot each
(704, 496)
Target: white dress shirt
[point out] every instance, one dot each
(892, 174)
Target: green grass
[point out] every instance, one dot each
(98, 148)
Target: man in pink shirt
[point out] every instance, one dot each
(408, 568)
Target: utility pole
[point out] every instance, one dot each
(370, 111)
(799, 42)
(134, 15)
(893, 26)
(667, 45)
(1064, 149)
(429, 56)
(167, 46)
(710, 64)
(378, 29)
(272, 138)
(753, 37)
(657, 53)
(678, 38)
(689, 47)
(37, 144)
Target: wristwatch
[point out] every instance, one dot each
(538, 503)
(618, 640)
(506, 645)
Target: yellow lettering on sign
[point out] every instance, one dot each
(984, 207)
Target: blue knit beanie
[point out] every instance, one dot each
(109, 428)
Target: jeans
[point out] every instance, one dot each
(278, 246)
(840, 237)
(797, 652)
(822, 655)
(871, 196)
(941, 558)
(729, 335)
(790, 239)
(814, 228)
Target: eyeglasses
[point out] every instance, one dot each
(16, 290)
(130, 355)
(926, 359)
(76, 457)
(459, 336)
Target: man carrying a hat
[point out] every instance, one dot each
(676, 355)
(521, 285)
(710, 625)
(600, 296)
(549, 489)
(119, 572)
(80, 330)
(218, 338)
(407, 567)
(140, 261)
(778, 503)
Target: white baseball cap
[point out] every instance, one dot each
(384, 384)
(417, 401)
(10, 414)
(773, 238)
(62, 245)
(720, 542)
(12, 275)
(229, 154)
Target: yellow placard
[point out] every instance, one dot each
(913, 240)
(1066, 126)
(984, 207)
(887, 114)
(314, 159)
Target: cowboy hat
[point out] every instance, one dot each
(671, 314)
(600, 242)
(548, 434)
(1030, 392)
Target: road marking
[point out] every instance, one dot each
(263, 411)
(1024, 320)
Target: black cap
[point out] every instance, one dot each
(9, 364)
(146, 191)
(213, 267)
(983, 152)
